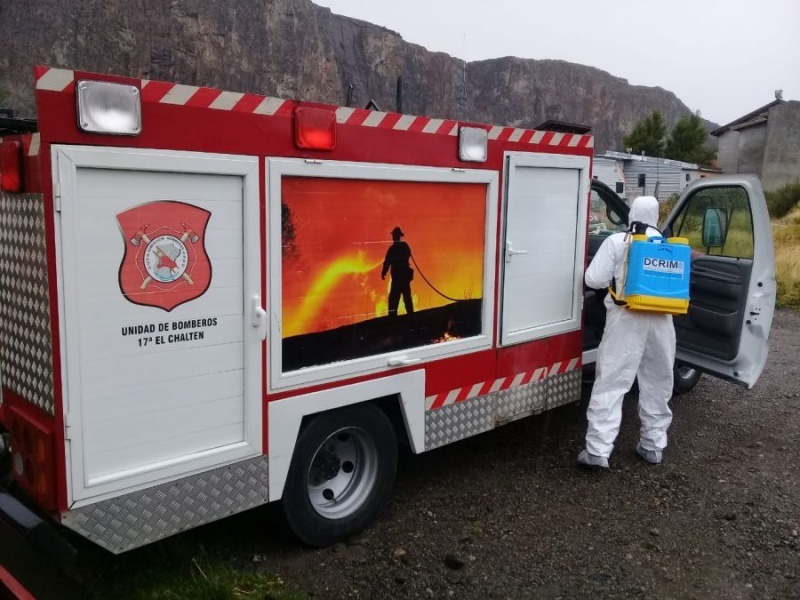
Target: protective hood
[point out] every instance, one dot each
(645, 210)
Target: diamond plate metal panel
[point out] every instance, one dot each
(470, 417)
(563, 388)
(26, 344)
(458, 421)
(149, 515)
(521, 399)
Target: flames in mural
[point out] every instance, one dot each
(445, 338)
(338, 272)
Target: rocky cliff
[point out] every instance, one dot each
(296, 49)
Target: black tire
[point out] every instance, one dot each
(685, 378)
(341, 475)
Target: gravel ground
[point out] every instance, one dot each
(509, 515)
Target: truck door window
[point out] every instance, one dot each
(731, 227)
(602, 218)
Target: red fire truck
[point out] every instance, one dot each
(214, 300)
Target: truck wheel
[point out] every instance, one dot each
(341, 474)
(685, 378)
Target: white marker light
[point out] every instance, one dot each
(111, 108)
(473, 143)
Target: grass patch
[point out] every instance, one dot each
(786, 238)
(782, 201)
(155, 573)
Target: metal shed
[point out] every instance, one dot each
(651, 176)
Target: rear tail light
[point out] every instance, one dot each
(33, 458)
(11, 166)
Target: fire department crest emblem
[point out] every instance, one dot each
(165, 262)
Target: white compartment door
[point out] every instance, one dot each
(545, 245)
(160, 275)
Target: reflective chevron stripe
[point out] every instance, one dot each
(496, 385)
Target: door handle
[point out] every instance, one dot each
(259, 317)
(400, 361)
(511, 252)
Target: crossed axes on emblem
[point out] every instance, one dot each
(163, 259)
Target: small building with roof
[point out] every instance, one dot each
(765, 141)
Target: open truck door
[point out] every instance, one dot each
(732, 289)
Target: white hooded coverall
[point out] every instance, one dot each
(634, 344)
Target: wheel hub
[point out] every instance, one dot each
(342, 473)
(326, 466)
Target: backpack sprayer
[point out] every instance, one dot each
(655, 274)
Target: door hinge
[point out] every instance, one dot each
(57, 196)
(67, 426)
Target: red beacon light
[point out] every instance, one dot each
(315, 128)
(11, 166)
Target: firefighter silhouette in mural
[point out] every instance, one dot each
(397, 257)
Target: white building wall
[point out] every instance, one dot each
(728, 152)
(610, 171)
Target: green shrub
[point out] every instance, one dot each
(781, 201)
(665, 207)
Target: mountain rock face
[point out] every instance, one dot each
(296, 49)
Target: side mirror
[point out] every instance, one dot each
(715, 227)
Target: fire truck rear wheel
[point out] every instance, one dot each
(341, 474)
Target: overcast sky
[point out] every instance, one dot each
(722, 57)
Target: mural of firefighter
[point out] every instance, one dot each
(342, 277)
(396, 261)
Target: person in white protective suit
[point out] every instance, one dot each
(634, 344)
